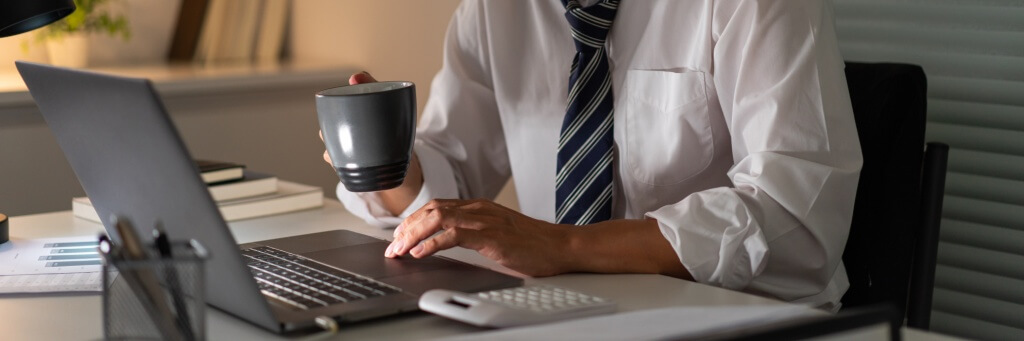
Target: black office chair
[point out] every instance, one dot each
(893, 239)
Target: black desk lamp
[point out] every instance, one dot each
(20, 16)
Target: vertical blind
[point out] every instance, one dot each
(972, 52)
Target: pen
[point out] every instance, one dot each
(107, 249)
(130, 241)
(143, 282)
(163, 244)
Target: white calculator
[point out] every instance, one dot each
(514, 306)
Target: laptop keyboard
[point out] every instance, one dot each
(305, 284)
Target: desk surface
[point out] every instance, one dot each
(79, 317)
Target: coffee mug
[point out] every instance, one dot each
(369, 131)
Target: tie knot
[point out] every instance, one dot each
(590, 25)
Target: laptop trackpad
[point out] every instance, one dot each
(368, 260)
(319, 241)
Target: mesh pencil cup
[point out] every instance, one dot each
(157, 298)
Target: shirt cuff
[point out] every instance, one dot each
(438, 182)
(715, 237)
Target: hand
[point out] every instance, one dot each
(530, 246)
(534, 247)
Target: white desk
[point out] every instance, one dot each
(78, 317)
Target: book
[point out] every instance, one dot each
(252, 184)
(270, 38)
(187, 30)
(289, 197)
(229, 31)
(212, 31)
(233, 31)
(241, 31)
(219, 171)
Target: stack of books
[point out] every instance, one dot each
(230, 31)
(240, 193)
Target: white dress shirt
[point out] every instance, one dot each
(732, 124)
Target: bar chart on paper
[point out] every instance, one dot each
(49, 256)
(50, 265)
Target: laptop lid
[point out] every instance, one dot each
(130, 160)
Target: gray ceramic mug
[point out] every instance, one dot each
(369, 130)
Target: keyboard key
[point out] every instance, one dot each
(305, 284)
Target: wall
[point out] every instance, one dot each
(34, 177)
(271, 131)
(151, 23)
(391, 39)
(972, 52)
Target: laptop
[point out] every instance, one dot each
(133, 165)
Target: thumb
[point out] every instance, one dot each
(362, 77)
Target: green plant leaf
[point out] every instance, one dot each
(86, 18)
(75, 20)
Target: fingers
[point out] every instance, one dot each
(437, 215)
(444, 218)
(360, 78)
(467, 238)
(398, 229)
(414, 229)
(327, 157)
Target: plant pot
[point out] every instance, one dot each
(69, 51)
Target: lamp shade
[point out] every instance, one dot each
(19, 16)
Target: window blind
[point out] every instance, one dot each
(972, 52)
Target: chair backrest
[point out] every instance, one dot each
(922, 280)
(889, 102)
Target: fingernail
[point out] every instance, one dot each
(398, 247)
(364, 72)
(416, 250)
(387, 253)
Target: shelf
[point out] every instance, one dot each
(192, 80)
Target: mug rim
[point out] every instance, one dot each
(401, 85)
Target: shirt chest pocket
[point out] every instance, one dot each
(667, 131)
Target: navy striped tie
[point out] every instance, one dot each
(583, 193)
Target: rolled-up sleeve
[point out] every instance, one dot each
(781, 228)
(459, 140)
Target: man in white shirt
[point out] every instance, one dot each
(735, 161)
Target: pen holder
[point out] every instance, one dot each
(158, 298)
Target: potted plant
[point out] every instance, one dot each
(67, 39)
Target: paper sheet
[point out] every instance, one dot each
(656, 324)
(49, 256)
(70, 282)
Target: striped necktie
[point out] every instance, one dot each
(583, 192)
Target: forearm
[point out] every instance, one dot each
(397, 199)
(623, 246)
